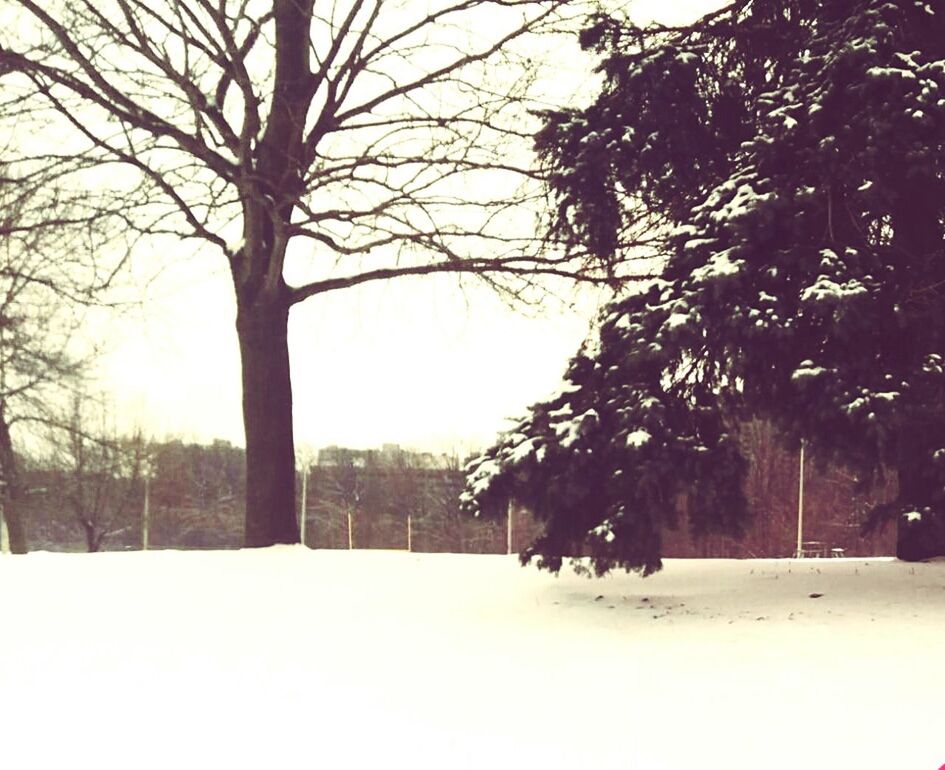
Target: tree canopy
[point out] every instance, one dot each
(790, 154)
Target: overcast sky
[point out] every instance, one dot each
(419, 362)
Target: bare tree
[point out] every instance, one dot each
(102, 473)
(45, 278)
(391, 137)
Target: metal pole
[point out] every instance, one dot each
(409, 534)
(799, 553)
(350, 534)
(304, 506)
(146, 513)
(509, 525)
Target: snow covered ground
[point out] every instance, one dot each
(286, 657)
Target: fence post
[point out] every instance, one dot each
(146, 512)
(800, 507)
(509, 526)
(304, 505)
(350, 534)
(409, 534)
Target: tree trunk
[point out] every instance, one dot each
(16, 527)
(92, 543)
(917, 236)
(10, 472)
(262, 326)
(920, 537)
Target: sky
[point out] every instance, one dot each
(420, 362)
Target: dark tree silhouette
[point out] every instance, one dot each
(791, 154)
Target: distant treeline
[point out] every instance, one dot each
(391, 498)
(195, 494)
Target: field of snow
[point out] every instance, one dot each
(286, 657)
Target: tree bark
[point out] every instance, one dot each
(262, 326)
(262, 298)
(920, 538)
(16, 527)
(916, 220)
(9, 468)
(93, 541)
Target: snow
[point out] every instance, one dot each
(605, 531)
(743, 201)
(933, 364)
(570, 432)
(483, 475)
(698, 243)
(807, 370)
(890, 72)
(523, 450)
(719, 265)
(286, 657)
(827, 290)
(564, 411)
(565, 387)
(638, 438)
(677, 319)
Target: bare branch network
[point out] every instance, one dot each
(395, 142)
(380, 138)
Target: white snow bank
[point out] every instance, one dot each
(292, 658)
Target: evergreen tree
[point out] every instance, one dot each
(790, 155)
